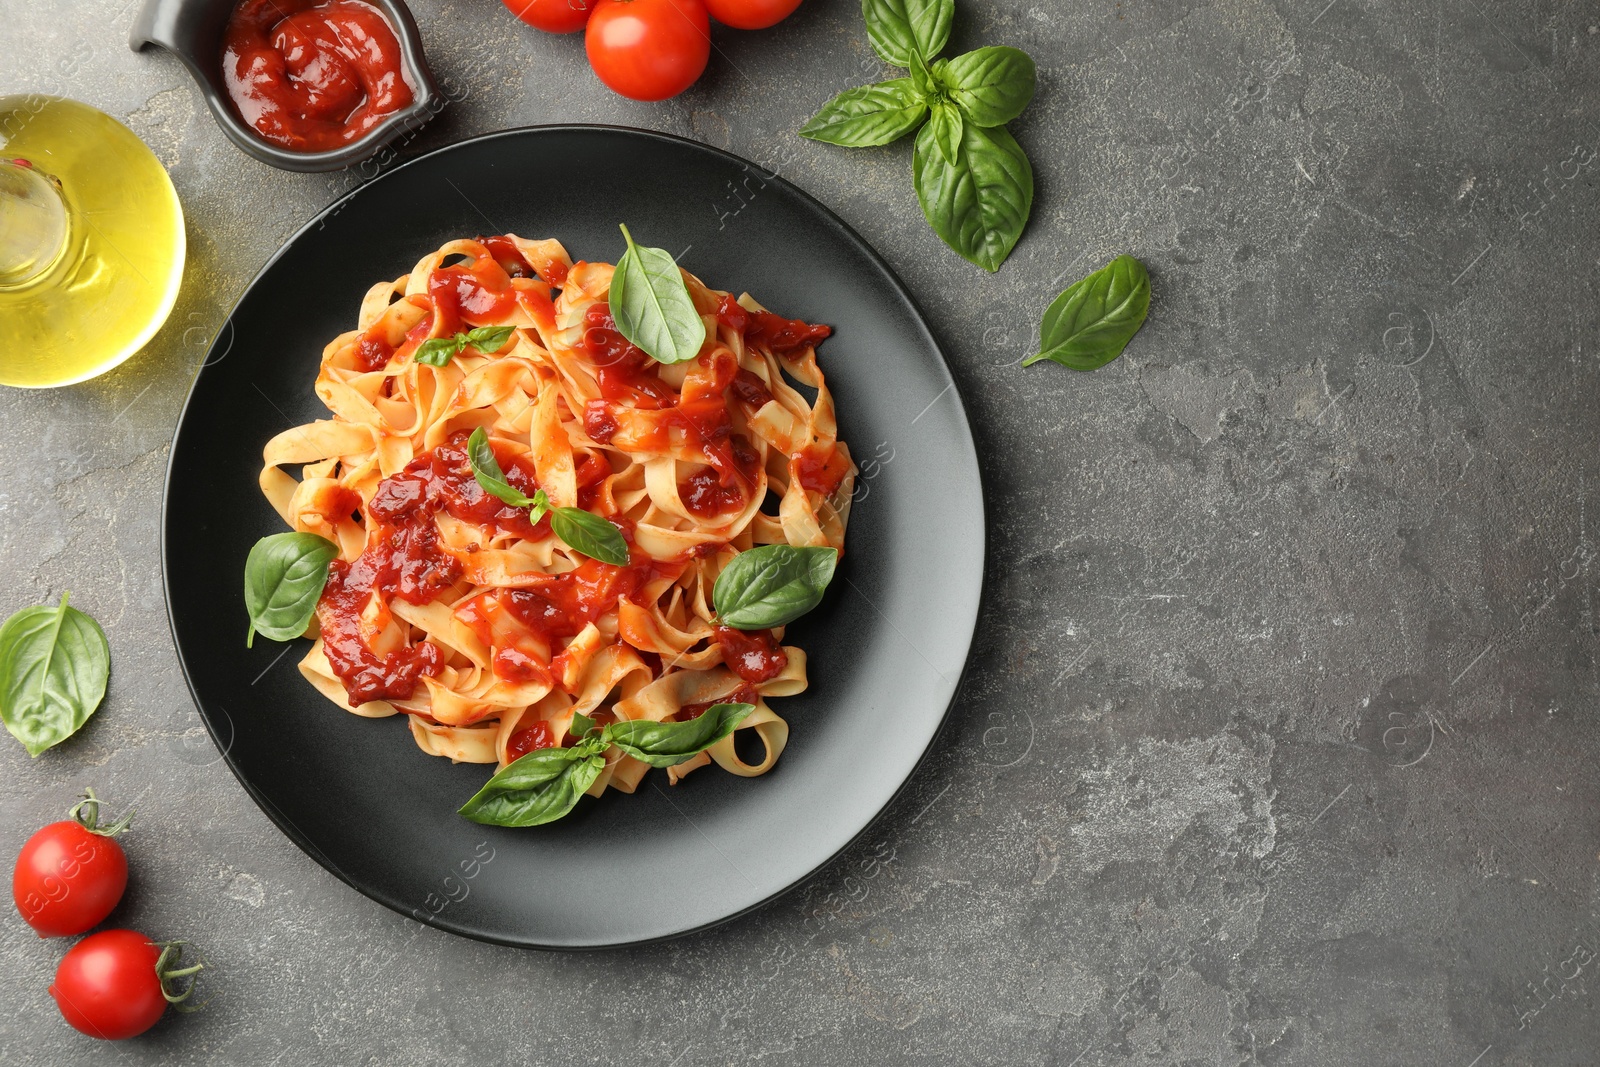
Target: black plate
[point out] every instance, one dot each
(885, 649)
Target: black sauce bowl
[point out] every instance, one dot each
(192, 31)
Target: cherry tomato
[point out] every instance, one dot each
(70, 875)
(552, 16)
(648, 49)
(751, 14)
(109, 985)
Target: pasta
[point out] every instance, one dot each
(489, 633)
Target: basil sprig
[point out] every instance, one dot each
(437, 351)
(54, 662)
(772, 585)
(973, 181)
(486, 469)
(581, 531)
(1091, 323)
(283, 579)
(539, 787)
(651, 305)
(545, 784)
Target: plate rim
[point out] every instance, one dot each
(293, 833)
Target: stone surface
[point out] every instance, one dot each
(1278, 742)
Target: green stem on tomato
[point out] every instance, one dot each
(86, 813)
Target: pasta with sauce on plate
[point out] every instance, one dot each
(489, 633)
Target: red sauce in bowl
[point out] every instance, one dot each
(313, 75)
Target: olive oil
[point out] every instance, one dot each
(91, 242)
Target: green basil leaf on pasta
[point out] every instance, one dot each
(588, 533)
(991, 85)
(900, 29)
(980, 204)
(487, 339)
(54, 663)
(283, 579)
(581, 725)
(437, 351)
(538, 788)
(868, 115)
(666, 744)
(772, 585)
(1091, 323)
(540, 505)
(486, 469)
(651, 305)
(945, 126)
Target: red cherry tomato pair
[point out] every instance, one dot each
(68, 877)
(649, 49)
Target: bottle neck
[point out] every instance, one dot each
(35, 223)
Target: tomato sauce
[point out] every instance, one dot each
(745, 694)
(704, 494)
(752, 654)
(374, 350)
(505, 252)
(313, 75)
(592, 472)
(627, 377)
(404, 559)
(366, 675)
(537, 736)
(624, 371)
(820, 468)
(522, 626)
(475, 294)
(750, 390)
(584, 594)
(781, 335)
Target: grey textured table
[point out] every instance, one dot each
(1278, 744)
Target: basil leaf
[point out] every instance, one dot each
(922, 80)
(666, 744)
(54, 663)
(1091, 323)
(652, 307)
(283, 578)
(437, 351)
(991, 85)
(590, 534)
(581, 725)
(540, 505)
(772, 585)
(900, 29)
(978, 205)
(538, 788)
(945, 126)
(486, 469)
(486, 339)
(868, 115)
